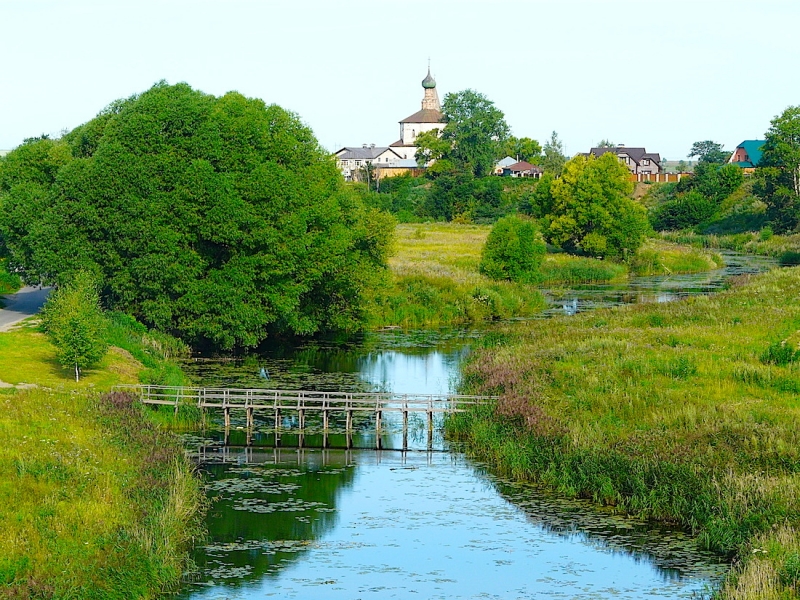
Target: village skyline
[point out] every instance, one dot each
(621, 71)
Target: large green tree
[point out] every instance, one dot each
(708, 152)
(591, 209)
(471, 138)
(219, 219)
(779, 170)
(74, 321)
(524, 148)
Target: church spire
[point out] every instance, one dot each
(431, 99)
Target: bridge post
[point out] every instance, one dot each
(250, 417)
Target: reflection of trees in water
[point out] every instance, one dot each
(263, 516)
(672, 551)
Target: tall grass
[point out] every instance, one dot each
(658, 257)
(435, 281)
(95, 502)
(665, 411)
(754, 242)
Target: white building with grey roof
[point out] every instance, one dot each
(351, 159)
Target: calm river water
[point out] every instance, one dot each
(336, 523)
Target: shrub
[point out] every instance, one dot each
(514, 250)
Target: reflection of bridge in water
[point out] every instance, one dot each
(298, 405)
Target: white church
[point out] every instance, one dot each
(401, 153)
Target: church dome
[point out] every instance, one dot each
(429, 82)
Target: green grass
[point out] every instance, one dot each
(671, 412)
(95, 502)
(435, 281)
(28, 358)
(564, 269)
(659, 257)
(753, 242)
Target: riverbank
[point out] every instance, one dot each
(436, 281)
(96, 501)
(685, 413)
(784, 247)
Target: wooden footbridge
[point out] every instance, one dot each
(274, 404)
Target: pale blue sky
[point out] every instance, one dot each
(655, 74)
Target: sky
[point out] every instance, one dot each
(656, 74)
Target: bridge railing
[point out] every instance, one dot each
(274, 399)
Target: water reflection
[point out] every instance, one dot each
(343, 524)
(432, 525)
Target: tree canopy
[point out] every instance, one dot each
(471, 138)
(524, 148)
(590, 208)
(218, 219)
(708, 152)
(779, 170)
(553, 159)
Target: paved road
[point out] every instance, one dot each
(26, 302)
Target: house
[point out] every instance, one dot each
(638, 160)
(428, 118)
(350, 159)
(747, 154)
(502, 164)
(522, 169)
(406, 166)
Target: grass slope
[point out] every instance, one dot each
(95, 502)
(680, 412)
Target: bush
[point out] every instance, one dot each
(514, 250)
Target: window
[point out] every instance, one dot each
(645, 162)
(358, 163)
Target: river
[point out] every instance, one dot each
(335, 523)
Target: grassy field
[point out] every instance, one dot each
(28, 358)
(95, 500)
(660, 257)
(687, 413)
(435, 277)
(435, 280)
(755, 242)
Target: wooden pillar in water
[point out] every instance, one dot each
(325, 420)
(301, 417)
(277, 417)
(405, 430)
(430, 429)
(349, 420)
(227, 412)
(250, 419)
(325, 438)
(348, 439)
